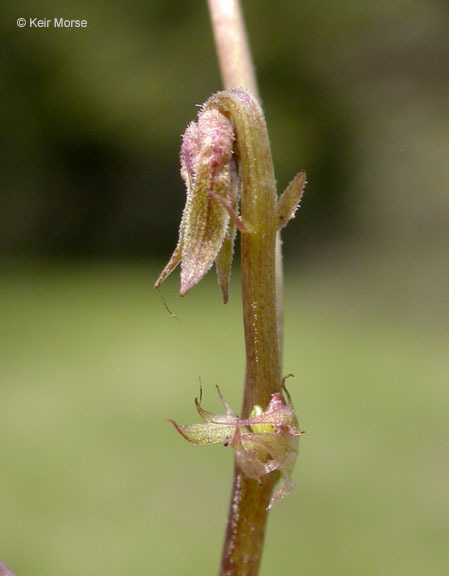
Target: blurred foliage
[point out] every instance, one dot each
(354, 92)
(91, 479)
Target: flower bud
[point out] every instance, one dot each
(209, 173)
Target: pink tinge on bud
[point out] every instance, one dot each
(212, 193)
(213, 178)
(189, 152)
(206, 144)
(206, 156)
(217, 138)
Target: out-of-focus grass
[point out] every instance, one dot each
(92, 481)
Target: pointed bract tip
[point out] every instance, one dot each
(187, 285)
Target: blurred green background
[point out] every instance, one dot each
(92, 480)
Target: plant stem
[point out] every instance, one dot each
(261, 294)
(234, 55)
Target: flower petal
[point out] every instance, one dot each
(210, 433)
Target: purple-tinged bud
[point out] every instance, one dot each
(208, 170)
(215, 179)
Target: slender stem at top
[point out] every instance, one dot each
(234, 55)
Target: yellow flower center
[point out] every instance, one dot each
(262, 428)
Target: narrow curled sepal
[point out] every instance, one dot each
(232, 211)
(172, 263)
(289, 200)
(266, 441)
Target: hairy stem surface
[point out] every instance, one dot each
(234, 55)
(261, 293)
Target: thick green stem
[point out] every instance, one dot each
(261, 266)
(247, 514)
(258, 254)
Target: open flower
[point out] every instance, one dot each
(266, 441)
